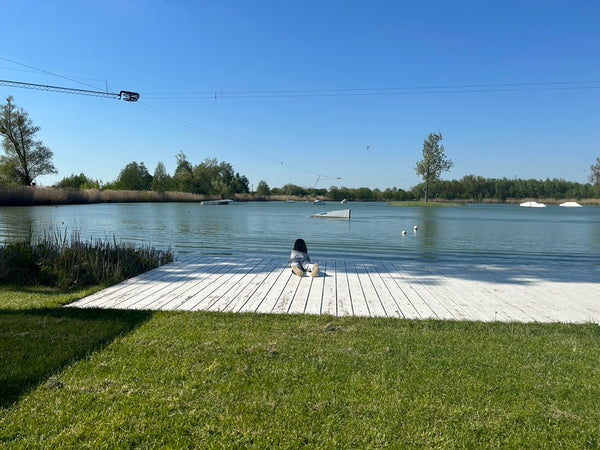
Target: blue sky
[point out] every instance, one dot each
(315, 92)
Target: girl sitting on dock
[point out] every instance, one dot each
(300, 260)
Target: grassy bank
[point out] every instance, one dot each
(120, 379)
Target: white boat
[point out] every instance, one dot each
(343, 202)
(319, 202)
(570, 205)
(532, 205)
(343, 214)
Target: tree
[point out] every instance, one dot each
(78, 182)
(595, 173)
(134, 177)
(434, 161)
(183, 179)
(263, 189)
(160, 179)
(25, 158)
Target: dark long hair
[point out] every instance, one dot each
(300, 246)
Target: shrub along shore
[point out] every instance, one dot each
(33, 196)
(57, 260)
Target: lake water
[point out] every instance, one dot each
(478, 233)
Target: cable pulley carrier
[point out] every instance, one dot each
(127, 96)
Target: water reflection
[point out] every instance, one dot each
(16, 223)
(375, 230)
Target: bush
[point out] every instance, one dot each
(72, 263)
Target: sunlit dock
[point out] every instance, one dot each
(372, 288)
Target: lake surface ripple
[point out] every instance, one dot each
(476, 233)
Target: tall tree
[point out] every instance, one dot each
(595, 173)
(25, 158)
(263, 189)
(434, 161)
(134, 177)
(183, 179)
(161, 179)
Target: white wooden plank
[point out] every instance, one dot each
(242, 276)
(411, 290)
(298, 303)
(286, 295)
(201, 281)
(314, 303)
(329, 302)
(388, 305)
(397, 292)
(395, 288)
(344, 298)
(261, 275)
(269, 290)
(375, 293)
(113, 295)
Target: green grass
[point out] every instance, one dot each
(122, 379)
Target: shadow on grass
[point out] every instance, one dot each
(37, 343)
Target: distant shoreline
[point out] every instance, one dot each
(50, 196)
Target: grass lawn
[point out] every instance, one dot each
(121, 379)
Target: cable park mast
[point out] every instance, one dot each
(127, 96)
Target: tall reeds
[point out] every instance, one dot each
(69, 262)
(30, 195)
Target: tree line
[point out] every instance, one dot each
(468, 188)
(26, 158)
(210, 177)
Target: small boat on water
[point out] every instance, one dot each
(343, 202)
(532, 205)
(217, 202)
(319, 202)
(343, 214)
(571, 205)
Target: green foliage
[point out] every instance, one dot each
(295, 190)
(78, 182)
(263, 189)
(161, 180)
(18, 263)
(595, 173)
(72, 263)
(134, 177)
(434, 161)
(208, 178)
(472, 187)
(25, 158)
(183, 179)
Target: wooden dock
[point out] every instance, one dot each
(373, 288)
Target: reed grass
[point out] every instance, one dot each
(55, 259)
(29, 195)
